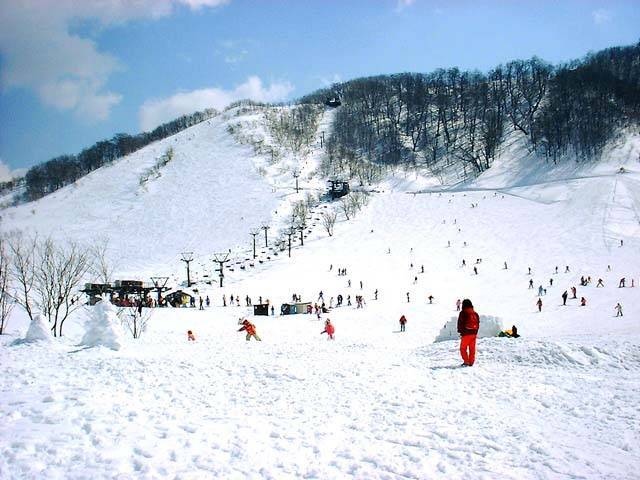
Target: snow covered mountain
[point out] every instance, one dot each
(558, 402)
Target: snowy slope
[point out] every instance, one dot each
(559, 402)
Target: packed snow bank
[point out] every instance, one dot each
(38, 331)
(489, 327)
(103, 327)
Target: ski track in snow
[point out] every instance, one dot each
(558, 403)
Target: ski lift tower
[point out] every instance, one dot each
(221, 259)
(187, 257)
(160, 283)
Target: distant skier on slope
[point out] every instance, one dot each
(403, 322)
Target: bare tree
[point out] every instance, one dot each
(6, 299)
(22, 251)
(329, 220)
(58, 272)
(101, 268)
(346, 205)
(134, 319)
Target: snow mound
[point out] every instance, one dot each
(38, 331)
(490, 326)
(103, 327)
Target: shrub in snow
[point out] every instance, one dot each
(489, 327)
(103, 327)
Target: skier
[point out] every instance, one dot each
(207, 301)
(468, 325)
(531, 283)
(407, 297)
(250, 328)
(600, 283)
(566, 269)
(619, 310)
(551, 282)
(583, 302)
(328, 328)
(505, 266)
(539, 303)
(458, 305)
(564, 297)
(403, 322)
(430, 297)
(540, 290)
(475, 270)
(375, 294)
(622, 282)
(573, 291)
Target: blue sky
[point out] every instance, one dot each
(76, 71)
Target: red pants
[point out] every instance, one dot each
(468, 349)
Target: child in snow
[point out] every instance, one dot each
(328, 328)
(403, 322)
(190, 336)
(250, 328)
(468, 325)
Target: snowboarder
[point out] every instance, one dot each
(403, 322)
(619, 310)
(468, 325)
(190, 336)
(539, 303)
(250, 328)
(565, 295)
(329, 329)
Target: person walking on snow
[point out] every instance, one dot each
(539, 304)
(458, 303)
(329, 329)
(250, 328)
(403, 322)
(619, 310)
(468, 325)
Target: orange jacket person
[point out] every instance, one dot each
(250, 329)
(468, 325)
(328, 329)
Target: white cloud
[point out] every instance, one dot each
(154, 112)
(601, 16)
(402, 4)
(7, 174)
(330, 80)
(65, 70)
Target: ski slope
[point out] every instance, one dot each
(559, 402)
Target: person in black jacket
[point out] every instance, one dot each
(468, 325)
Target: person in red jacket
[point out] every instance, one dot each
(468, 325)
(250, 328)
(328, 328)
(403, 322)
